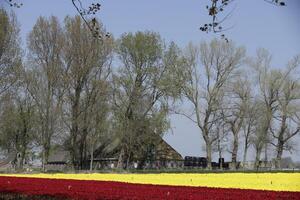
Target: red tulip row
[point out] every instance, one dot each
(77, 189)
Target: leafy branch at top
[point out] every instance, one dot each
(217, 7)
(276, 2)
(13, 3)
(84, 13)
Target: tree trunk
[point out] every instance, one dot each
(208, 155)
(247, 130)
(245, 155)
(73, 148)
(120, 164)
(220, 155)
(141, 163)
(22, 159)
(266, 152)
(81, 152)
(92, 157)
(279, 154)
(260, 144)
(127, 162)
(44, 161)
(46, 151)
(280, 141)
(73, 152)
(257, 158)
(235, 150)
(74, 125)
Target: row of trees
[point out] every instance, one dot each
(259, 102)
(86, 94)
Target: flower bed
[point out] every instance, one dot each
(158, 186)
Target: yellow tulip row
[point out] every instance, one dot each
(258, 181)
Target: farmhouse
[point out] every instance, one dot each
(165, 156)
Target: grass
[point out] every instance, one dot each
(188, 170)
(154, 171)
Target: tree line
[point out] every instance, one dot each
(69, 88)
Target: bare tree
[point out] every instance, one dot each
(219, 60)
(269, 82)
(238, 96)
(287, 115)
(274, 99)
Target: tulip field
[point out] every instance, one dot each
(156, 186)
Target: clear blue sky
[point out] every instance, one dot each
(256, 24)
